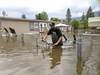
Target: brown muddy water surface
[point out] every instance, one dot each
(30, 56)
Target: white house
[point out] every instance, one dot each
(94, 22)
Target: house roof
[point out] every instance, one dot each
(26, 20)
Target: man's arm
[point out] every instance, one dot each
(48, 33)
(60, 38)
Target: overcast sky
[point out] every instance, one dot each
(54, 8)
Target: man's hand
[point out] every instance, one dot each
(45, 37)
(43, 40)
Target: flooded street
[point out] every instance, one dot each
(29, 56)
(19, 57)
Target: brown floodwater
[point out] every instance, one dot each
(30, 56)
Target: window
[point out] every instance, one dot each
(34, 26)
(31, 26)
(44, 25)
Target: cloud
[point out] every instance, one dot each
(17, 12)
(96, 9)
(52, 7)
(37, 5)
(47, 5)
(78, 14)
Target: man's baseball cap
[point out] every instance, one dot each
(52, 24)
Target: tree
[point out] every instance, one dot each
(83, 17)
(55, 19)
(98, 1)
(38, 16)
(23, 16)
(84, 24)
(68, 16)
(42, 16)
(75, 24)
(89, 13)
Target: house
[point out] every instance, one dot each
(24, 25)
(94, 23)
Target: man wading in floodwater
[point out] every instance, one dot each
(57, 43)
(56, 35)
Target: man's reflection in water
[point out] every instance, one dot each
(56, 56)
